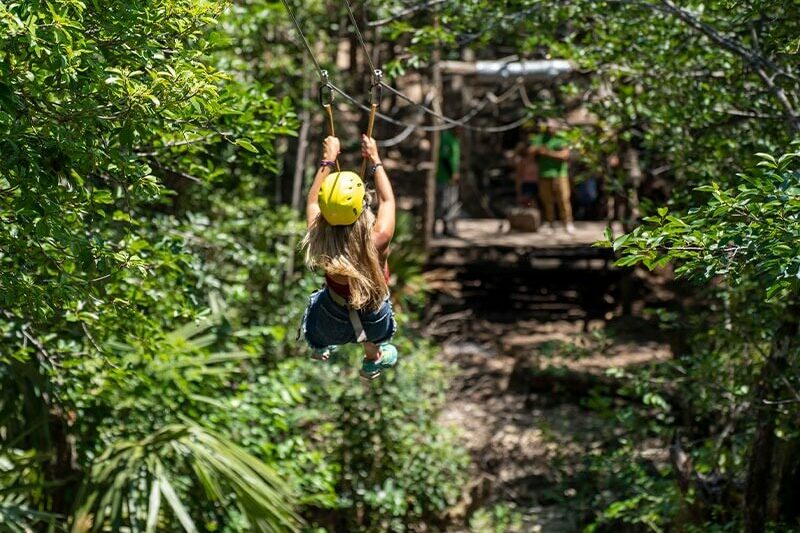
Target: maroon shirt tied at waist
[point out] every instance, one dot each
(343, 289)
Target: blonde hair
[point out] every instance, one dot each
(349, 251)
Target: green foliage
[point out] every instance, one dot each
(147, 310)
(500, 518)
(692, 89)
(127, 484)
(744, 238)
(392, 465)
(745, 234)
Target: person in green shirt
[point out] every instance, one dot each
(448, 176)
(552, 157)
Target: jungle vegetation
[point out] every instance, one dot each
(150, 284)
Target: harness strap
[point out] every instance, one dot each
(326, 101)
(352, 314)
(375, 94)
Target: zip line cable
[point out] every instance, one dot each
(452, 123)
(320, 70)
(397, 139)
(489, 98)
(449, 122)
(360, 37)
(399, 94)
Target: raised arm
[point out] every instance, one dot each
(560, 148)
(383, 231)
(330, 151)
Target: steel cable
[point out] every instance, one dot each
(360, 37)
(451, 123)
(408, 128)
(303, 37)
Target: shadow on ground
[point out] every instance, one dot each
(533, 395)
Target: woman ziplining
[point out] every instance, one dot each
(351, 244)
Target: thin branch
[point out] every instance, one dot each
(780, 402)
(96, 346)
(89, 336)
(752, 114)
(185, 142)
(756, 61)
(174, 172)
(405, 12)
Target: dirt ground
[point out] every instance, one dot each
(528, 356)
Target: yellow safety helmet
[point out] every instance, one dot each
(341, 198)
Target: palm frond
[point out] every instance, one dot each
(16, 517)
(181, 462)
(20, 479)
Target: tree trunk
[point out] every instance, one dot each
(633, 181)
(760, 479)
(429, 216)
(61, 473)
(297, 184)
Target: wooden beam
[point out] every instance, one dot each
(540, 69)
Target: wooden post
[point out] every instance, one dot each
(297, 185)
(300, 158)
(429, 216)
(467, 140)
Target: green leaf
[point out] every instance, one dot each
(608, 234)
(102, 197)
(767, 157)
(153, 507)
(175, 502)
(247, 145)
(620, 241)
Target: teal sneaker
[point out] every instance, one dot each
(371, 368)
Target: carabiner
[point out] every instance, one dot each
(376, 89)
(326, 89)
(326, 94)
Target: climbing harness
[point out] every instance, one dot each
(326, 96)
(352, 314)
(327, 89)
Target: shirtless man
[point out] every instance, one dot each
(526, 176)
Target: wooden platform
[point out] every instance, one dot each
(491, 241)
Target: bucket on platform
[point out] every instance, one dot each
(524, 219)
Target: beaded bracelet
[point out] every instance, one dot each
(326, 163)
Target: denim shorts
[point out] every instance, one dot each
(326, 323)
